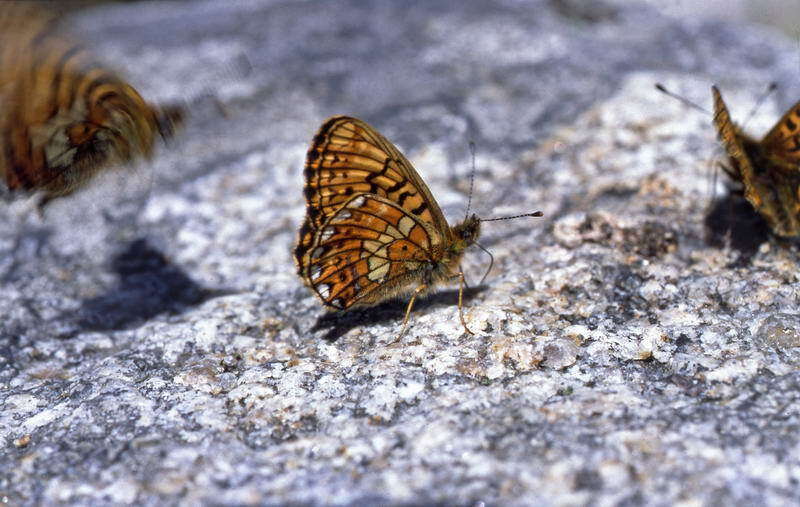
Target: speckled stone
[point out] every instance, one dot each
(628, 349)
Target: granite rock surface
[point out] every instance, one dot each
(638, 344)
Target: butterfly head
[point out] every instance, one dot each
(466, 233)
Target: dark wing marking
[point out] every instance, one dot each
(782, 143)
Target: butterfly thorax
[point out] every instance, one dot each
(446, 267)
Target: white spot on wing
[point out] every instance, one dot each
(57, 149)
(393, 232)
(327, 233)
(316, 271)
(405, 225)
(372, 245)
(378, 269)
(357, 202)
(324, 290)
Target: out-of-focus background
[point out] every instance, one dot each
(639, 344)
(783, 14)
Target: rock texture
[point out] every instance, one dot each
(639, 344)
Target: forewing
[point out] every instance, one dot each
(730, 137)
(368, 246)
(782, 143)
(348, 157)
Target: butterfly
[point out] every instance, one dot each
(769, 169)
(372, 230)
(65, 116)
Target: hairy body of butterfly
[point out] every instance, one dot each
(373, 231)
(63, 116)
(769, 169)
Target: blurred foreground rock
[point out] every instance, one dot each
(629, 349)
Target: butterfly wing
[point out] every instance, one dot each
(772, 191)
(66, 117)
(368, 251)
(782, 143)
(348, 157)
(731, 138)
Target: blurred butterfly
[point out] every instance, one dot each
(65, 118)
(769, 169)
(373, 231)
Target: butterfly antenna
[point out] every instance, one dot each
(771, 88)
(683, 100)
(471, 178)
(491, 262)
(534, 214)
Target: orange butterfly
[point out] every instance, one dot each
(65, 117)
(373, 231)
(769, 169)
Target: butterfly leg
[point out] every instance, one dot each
(461, 284)
(416, 293)
(461, 271)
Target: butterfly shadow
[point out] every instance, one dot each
(339, 323)
(148, 285)
(733, 221)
